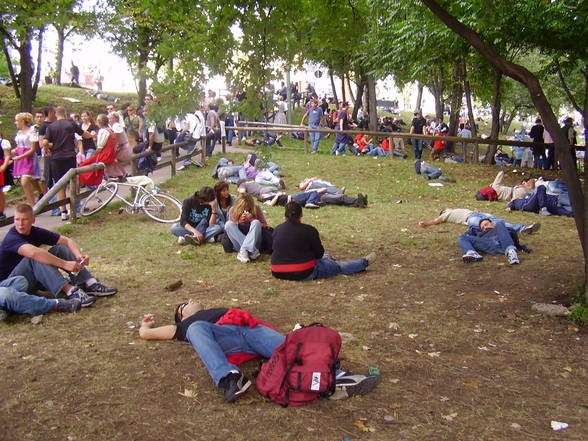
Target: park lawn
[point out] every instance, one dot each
(462, 355)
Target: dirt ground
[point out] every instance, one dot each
(462, 355)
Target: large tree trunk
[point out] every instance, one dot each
(348, 83)
(59, 55)
(495, 110)
(418, 107)
(26, 75)
(373, 110)
(468, 97)
(578, 198)
(142, 66)
(38, 67)
(456, 100)
(437, 88)
(358, 97)
(333, 87)
(343, 94)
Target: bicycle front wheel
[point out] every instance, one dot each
(161, 207)
(99, 198)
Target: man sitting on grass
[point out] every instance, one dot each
(473, 218)
(491, 238)
(21, 255)
(224, 338)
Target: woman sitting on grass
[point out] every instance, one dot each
(244, 227)
(224, 201)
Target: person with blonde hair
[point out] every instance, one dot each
(244, 226)
(26, 165)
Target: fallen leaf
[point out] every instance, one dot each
(444, 399)
(471, 383)
(515, 426)
(567, 368)
(394, 380)
(188, 393)
(394, 406)
(394, 326)
(35, 320)
(366, 348)
(361, 426)
(174, 286)
(450, 417)
(434, 354)
(412, 335)
(482, 348)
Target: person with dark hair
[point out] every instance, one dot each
(21, 255)
(224, 338)
(224, 201)
(536, 134)
(491, 238)
(417, 127)
(508, 193)
(298, 253)
(198, 221)
(316, 119)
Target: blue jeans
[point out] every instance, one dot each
(13, 297)
(310, 197)
(203, 228)
(318, 184)
(213, 342)
(417, 146)
(231, 173)
(377, 151)
(326, 267)
(315, 137)
(250, 242)
(490, 244)
(48, 276)
(475, 218)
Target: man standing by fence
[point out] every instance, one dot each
(315, 120)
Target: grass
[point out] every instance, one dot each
(449, 338)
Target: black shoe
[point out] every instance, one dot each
(234, 384)
(361, 200)
(69, 305)
(100, 290)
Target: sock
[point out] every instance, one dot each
(90, 282)
(70, 291)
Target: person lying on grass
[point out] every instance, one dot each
(491, 238)
(21, 255)
(473, 218)
(298, 253)
(429, 171)
(225, 338)
(542, 203)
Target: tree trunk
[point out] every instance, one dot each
(343, 94)
(419, 100)
(373, 110)
(333, 87)
(13, 76)
(578, 198)
(468, 97)
(437, 88)
(288, 96)
(26, 75)
(59, 55)
(38, 67)
(348, 82)
(358, 97)
(456, 100)
(495, 109)
(142, 66)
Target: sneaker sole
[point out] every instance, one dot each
(471, 259)
(240, 392)
(85, 305)
(102, 294)
(532, 229)
(367, 385)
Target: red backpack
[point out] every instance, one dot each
(303, 368)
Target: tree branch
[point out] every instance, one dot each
(10, 69)
(566, 89)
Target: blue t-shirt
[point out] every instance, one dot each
(314, 116)
(13, 240)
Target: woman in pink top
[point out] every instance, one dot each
(26, 164)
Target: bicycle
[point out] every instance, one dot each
(157, 205)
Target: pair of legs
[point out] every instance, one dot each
(214, 342)
(231, 173)
(309, 197)
(208, 231)
(59, 167)
(327, 267)
(29, 185)
(14, 297)
(249, 242)
(377, 151)
(37, 273)
(497, 243)
(541, 200)
(417, 146)
(315, 138)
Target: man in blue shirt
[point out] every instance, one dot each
(315, 120)
(21, 255)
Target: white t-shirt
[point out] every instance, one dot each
(6, 144)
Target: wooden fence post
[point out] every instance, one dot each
(391, 147)
(224, 144)
(305, 142)
(203, 150)
(172, 161)
(476, 153)
(74, 191)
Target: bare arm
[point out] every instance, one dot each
(424, 224)
(43, 256)
(303, 119)
(148, 331)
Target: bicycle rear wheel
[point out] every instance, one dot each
(161, 207)
(99, 198)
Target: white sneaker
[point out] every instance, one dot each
(243, 256)
(254, 254)
(471, 256)
(181, 240)
(64, 215)
(544, 212)
(530, 229)
(512, 256)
